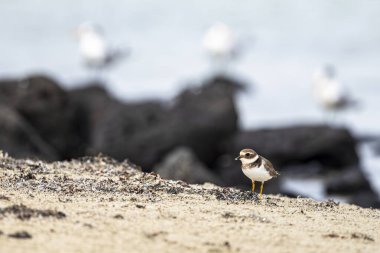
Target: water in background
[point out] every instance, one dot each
(291, 39)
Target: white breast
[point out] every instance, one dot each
(93, 48)
(257, 174)
(219, 40)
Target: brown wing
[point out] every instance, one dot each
(269, 166)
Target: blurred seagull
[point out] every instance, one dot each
(220, 44)
(329, 92)
(93, 47)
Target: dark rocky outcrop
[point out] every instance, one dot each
(330, 148)
(182, 164)
(333, 148)
(353, 183)
(87, 120)
(47, 108)
(313, 149)
(138, 131)
(19, 138)
(40, 119)
(206, 116)
(350, 181)
(377, 147)
(305, 150)
(93, 103)
(365, 199)
(199, 118)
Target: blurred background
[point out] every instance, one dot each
(179, 88)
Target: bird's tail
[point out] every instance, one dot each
(117, 54)
(352, 103)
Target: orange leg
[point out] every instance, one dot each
(253, 185)
(261, 190)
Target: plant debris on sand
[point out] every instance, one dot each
(20, 235)
(24, 213)
(103, 174)
(96, 204)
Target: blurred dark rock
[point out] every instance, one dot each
(365, 199)
(138, 131)
(88, 120)
(7, 90)
(200, 118)
(377, 147)
(206, 116)
(19, 139)
(196, 131)
(47, 108)
(308, 147)
(93, 103)
(93, 98)
(333, 148)
(182, 164)
(350, 181)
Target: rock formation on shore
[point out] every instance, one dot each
(40, 119)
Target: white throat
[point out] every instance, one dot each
(249, 160)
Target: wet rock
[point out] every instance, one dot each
(199, 118)
(365, 199)
(47, 108)
(353, 183)
(311, 149)
(350, 181)
(207, 115)
(333, 148)
(20, 139)
(88, 120)
(137, 131)
(8, 90)
(92, 102)
(377, 147)
(133, 130)
(182, 164)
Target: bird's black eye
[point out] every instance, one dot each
(247, 155)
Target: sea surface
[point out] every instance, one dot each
(286, 41)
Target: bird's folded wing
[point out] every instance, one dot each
(269, 167)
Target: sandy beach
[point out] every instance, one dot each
(96, 204)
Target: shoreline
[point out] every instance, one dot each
(109, 206)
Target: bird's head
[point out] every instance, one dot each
(219, 40)
(247, 156)
(87, 28)
(329, 71)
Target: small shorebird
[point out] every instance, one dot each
(220, 44)
(93, 47)
(329, 92)
(256, 168)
